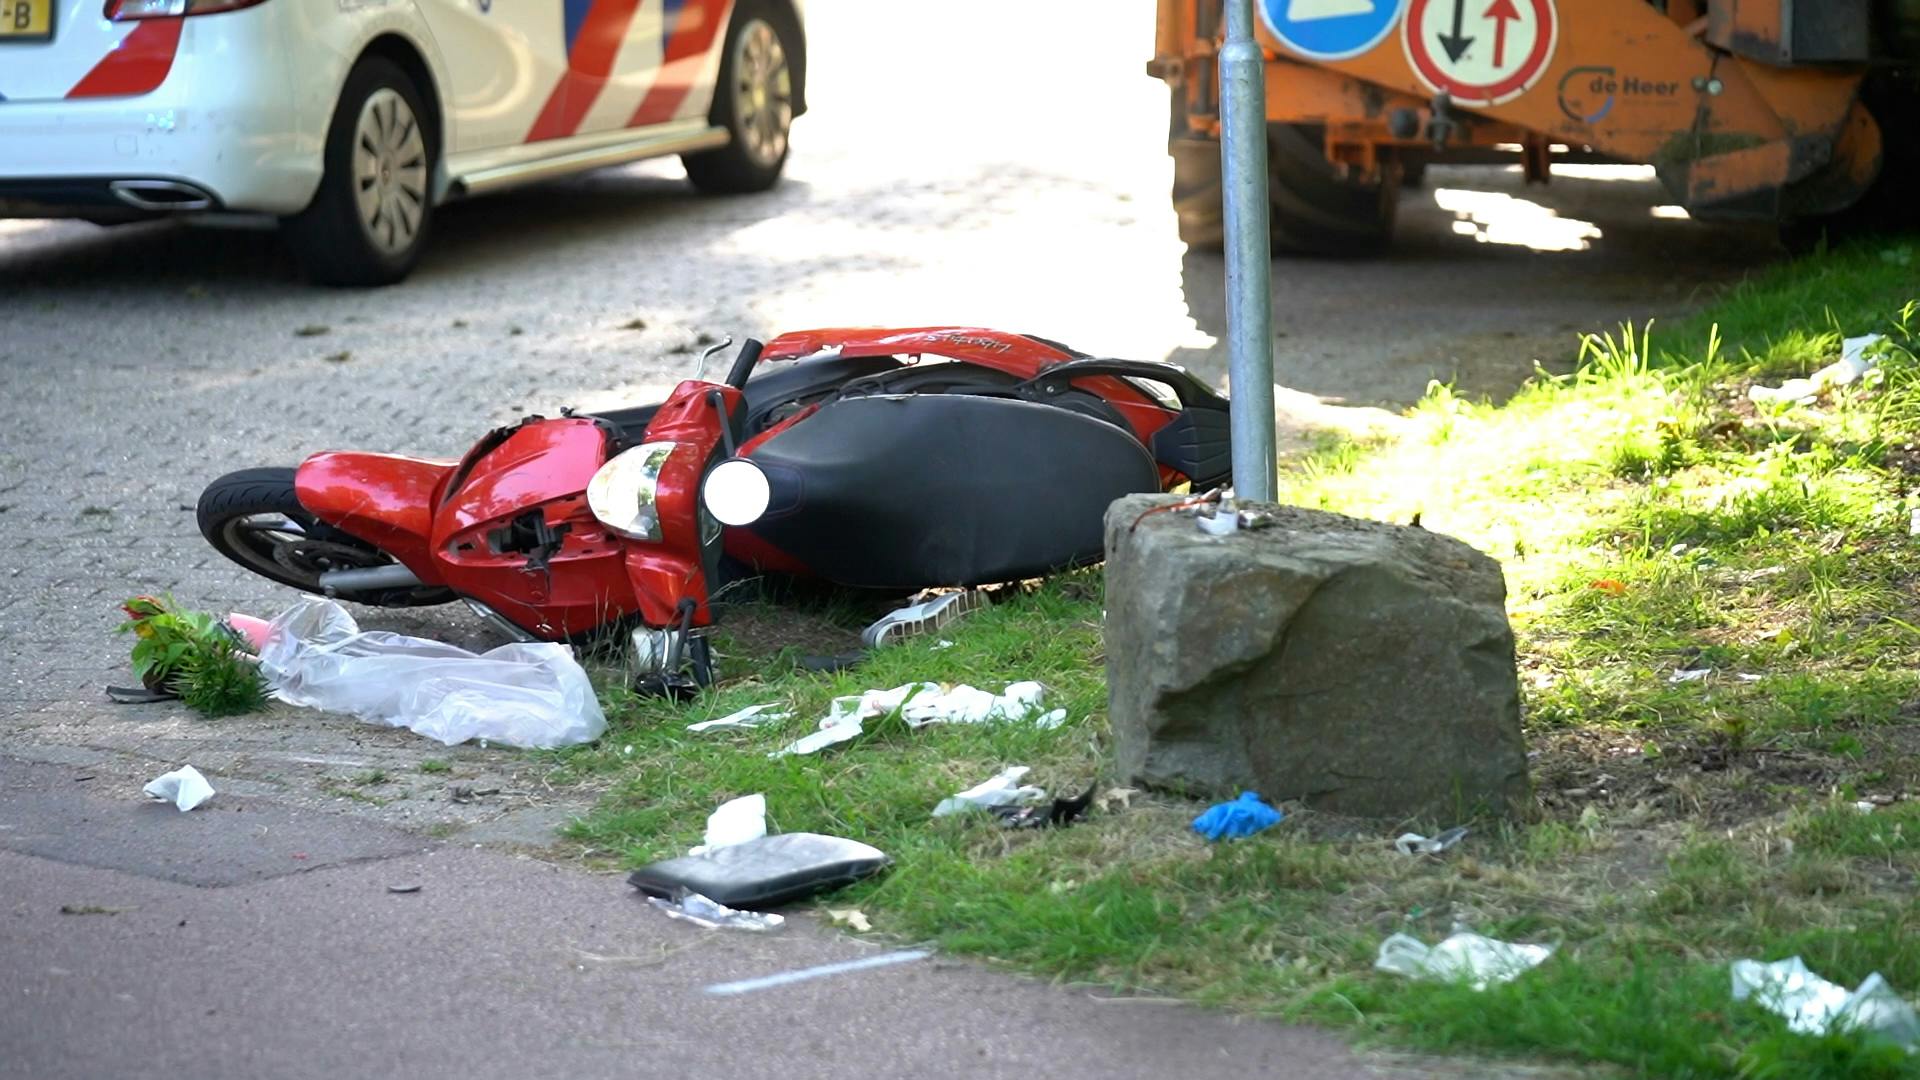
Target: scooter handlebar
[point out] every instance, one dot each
(743, 364)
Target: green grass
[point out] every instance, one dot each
(1649, 520)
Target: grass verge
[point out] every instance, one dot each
(1652, 520)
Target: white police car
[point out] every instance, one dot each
(350, 120)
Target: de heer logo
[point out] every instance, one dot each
(1588, 94)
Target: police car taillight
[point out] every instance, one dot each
(122, 10)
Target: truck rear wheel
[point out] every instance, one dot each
(1313, 210)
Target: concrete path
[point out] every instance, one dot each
(246, 940)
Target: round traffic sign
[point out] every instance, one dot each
(1480, 52)
(1331, 29)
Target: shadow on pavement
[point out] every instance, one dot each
(1488, 277)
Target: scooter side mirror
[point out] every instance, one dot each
(743, 364)
(700, 371)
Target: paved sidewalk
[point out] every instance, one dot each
(248, 940)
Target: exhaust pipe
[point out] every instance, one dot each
(160, 195)
(394, 576)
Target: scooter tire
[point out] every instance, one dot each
(248, 493)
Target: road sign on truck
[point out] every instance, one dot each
(1746, 109)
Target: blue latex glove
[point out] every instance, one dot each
(1243, 816)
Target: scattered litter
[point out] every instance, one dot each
(1913, 522)
(1243, 816)
(184, 787)
(1814, 1006)
(750, 717)
(90, 909)
(1849, 369)
(1690, 675)
(926, 703)
(1865, 807)
(760, 873)
(736, 822)
(1745, 677)
(1610, 587)
(1220, 523)
(943, 643)
(700, 911)
(1478, 961)
(403, 888)
(1001, 790)
(528, 694)
(901, 623)
(1415, 844)
(1060, 814)
(852, 918)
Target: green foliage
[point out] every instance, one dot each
(192, 654)
(217, 679)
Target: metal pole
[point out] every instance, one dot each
(1243, 161)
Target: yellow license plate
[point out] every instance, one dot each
(26, 20)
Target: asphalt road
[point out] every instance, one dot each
(1004, 170)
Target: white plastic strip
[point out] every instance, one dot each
(768, 982)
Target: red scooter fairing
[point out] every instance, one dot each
(512, 529)
(1020, 355)
(675, 571)
(384, 499)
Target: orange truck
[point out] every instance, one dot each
(1791, 111)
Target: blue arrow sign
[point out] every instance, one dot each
(1331, 29)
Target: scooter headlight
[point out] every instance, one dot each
(736, 492)
(621, 493)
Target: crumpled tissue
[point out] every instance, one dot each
(1847, 370)
(735, 822)
(184, 787)
(920, 704)
(1003, 789)
(750, 717)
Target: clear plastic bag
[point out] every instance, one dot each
(527, 694)
(1814, 1006)
(1466, 958)
(700, 911)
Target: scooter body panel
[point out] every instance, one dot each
(918, 490)
(516, 534)
(386, 500)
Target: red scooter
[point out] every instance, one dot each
(872, 459)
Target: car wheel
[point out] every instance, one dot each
(368, 222)
(753, 101)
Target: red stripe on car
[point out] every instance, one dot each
(688, 40)
(137, 65)
(589, 63)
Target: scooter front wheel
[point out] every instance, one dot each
(254, 518)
